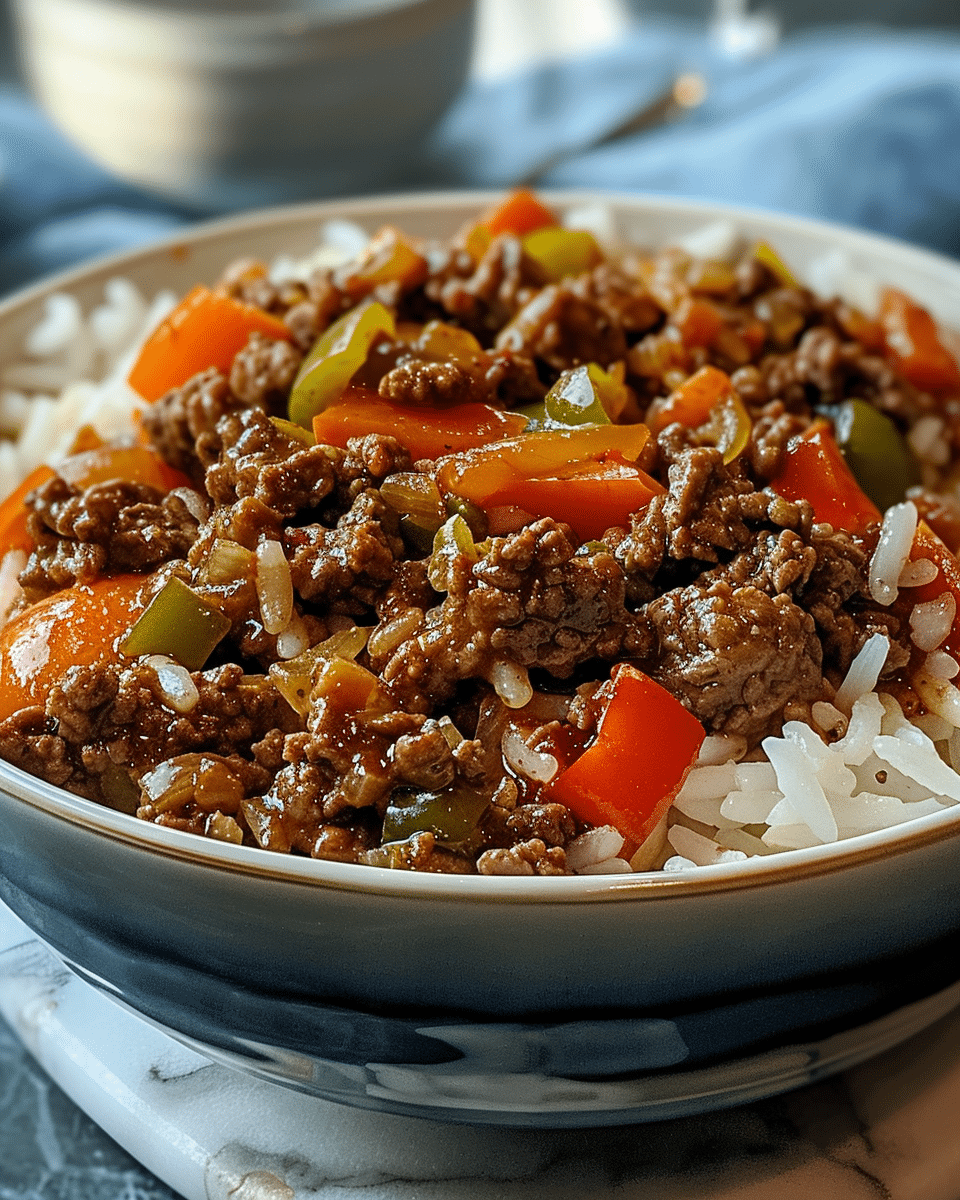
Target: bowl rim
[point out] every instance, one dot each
(757, 872)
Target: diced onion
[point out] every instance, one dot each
(918, 573)
(932, 620)
(531, 763)
(385, 638)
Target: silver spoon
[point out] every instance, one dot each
(686, 93)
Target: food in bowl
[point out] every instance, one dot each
(523, 553)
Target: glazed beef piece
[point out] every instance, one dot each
(179, 418)
(482, 298)
(530, 601)
(735, 656)
(826, 367)
(709, 512)
(416, 383)
(564, 329)
(112, 720)
(263, 373)
(346, 567)
(106, 529)
(253, 458)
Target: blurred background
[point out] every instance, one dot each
(121, 120)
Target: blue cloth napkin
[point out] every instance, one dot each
(857, 126)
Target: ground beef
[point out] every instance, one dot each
(728, 595)
(502, 282)
(526, 858)
(512, 379)
(346, 567)
(179, 418)
(770, 434)
(29, 740)
(531, 601)
(824, 369)
(734, 655)
(417, 384)
(709, 511)
(111, 718)
(564, 329)
(367, 461)
(424, 759)
(248, 280)
(107, 528)
(553, 824)
(627, 306)
(263, 373)
(258, 460)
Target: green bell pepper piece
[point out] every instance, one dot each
(875, 451)
(178, 623)
(451, 815)
(335, 358)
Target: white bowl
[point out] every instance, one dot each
(527, 1001)
(232, 105)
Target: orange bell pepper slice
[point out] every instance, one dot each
(913, 344)
(699, 321)
(479, 474)
(692, 402)
(206, 329)
(14, 513)
(815, 470)
(426, 432)
(584, 475)
(591, 497)
(520, 213)
(136, 464)
(646, 744)
(76, 627)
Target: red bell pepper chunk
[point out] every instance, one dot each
(926, 544)
(815, 470)
(426, 432)
(206, 329)
(646, 743)
(78, 626)
(913, 344)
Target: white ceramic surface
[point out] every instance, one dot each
(364, 985)
(230, 106)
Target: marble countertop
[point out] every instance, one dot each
(887, 1128)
